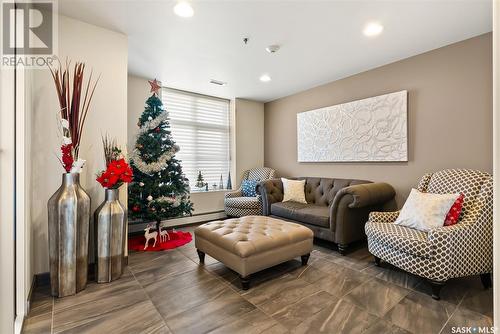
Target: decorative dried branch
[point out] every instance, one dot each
(73, 108)
(110, 149)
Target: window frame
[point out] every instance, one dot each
(193, 125)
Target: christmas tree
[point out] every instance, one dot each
(200, 182)
(159, 190)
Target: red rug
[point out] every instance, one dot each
(177, 239)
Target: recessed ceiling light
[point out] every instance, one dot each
(373, 29)
(183, 9)
(265, 78)
(273, 48)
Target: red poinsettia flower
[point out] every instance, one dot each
(107, 179)
(128, 175)
(118, 167)
(117, 172)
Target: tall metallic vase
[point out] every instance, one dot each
(69, 217)
(109, 220)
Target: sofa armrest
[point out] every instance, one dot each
(236, 193)
(383, 217)
(366, 194)
(271, 192)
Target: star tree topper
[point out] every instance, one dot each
(155, 86)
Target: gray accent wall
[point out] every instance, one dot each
(449, 116)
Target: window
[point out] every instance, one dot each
(200, 126)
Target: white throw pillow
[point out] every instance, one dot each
(425, 211)
(293, 190)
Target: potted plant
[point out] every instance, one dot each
(110, 217)
(69, 206)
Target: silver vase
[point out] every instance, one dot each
(109, 227)
(69, 217)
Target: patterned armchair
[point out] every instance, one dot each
(236, 205)
(464, 249)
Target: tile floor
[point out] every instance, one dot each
(168, 292)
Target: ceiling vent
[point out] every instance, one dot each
(218, 82)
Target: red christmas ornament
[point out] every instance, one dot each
(157, 129)
(136, 208)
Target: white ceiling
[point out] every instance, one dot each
(321, 41)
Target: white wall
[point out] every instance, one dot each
(105, 52)
(249, 136)
(138, 93)
(7, 242)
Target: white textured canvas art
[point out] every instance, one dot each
(372, 129)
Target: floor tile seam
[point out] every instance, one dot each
(32, 316)
(456, 310)
(468, 309)
(396, 304)
(77, 303)
(346, 265)
(52, 316)
(151, 301)
(223, 319)
(92, 301)
(449, 318)
(95, 317)
(209, 300)
(147, 269)
(310, 316)
(386, 312)
(368, 280)
(147, 261)
(163, 278)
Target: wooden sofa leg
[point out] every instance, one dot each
(304, 259)
(377, 261)
(201, 256)
(245, 282)
(436, 289)
(342, 249)
(486, 280)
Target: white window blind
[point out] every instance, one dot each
(200, 126)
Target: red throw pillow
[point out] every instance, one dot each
(454, 213)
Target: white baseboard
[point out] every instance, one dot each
(178, 222)
(18, 324)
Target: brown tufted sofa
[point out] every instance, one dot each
(336, 209)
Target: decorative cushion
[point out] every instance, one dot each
(248, 188)
(425, 211)
(454, 213)
(306, 213)
(293, 190)
(242, 202)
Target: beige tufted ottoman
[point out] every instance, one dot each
(253, 243)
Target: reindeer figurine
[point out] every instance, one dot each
(164, 235)
(150, 235)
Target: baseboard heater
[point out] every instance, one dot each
(134, 227)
